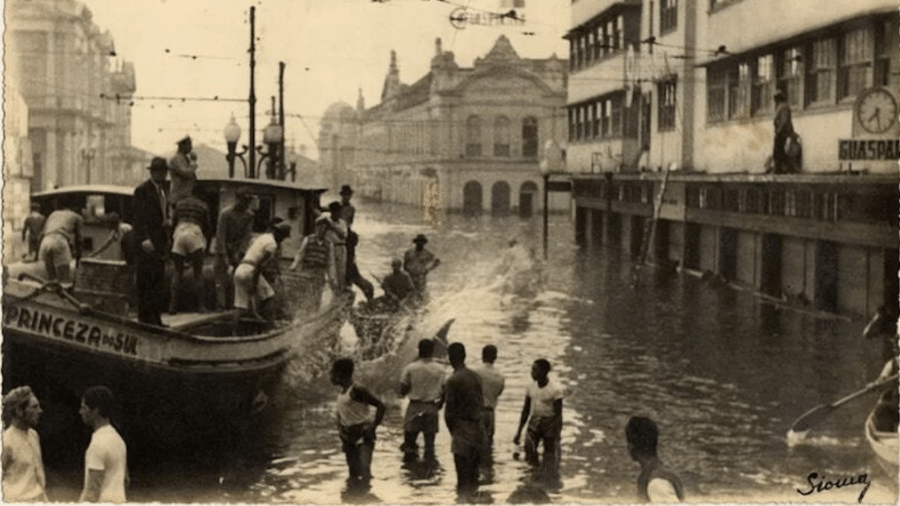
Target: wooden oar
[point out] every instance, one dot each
(819, 413)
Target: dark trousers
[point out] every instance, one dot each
(150, 273)
(780, 158)
(466, 474)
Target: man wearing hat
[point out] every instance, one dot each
(784, 130)
(418, 262)
(233, 232)
(23, 466)
(31, 232)
(151, 239)
(183, 167)
(251, 288)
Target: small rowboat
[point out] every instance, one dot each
(884, 444)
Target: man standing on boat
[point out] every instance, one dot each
(418, 262)
(337, 232)
(354, 277)
(423, 381)
(31, 231)
(106, 460)
(233, 232)
(183, 167)
(348, 212)
(189, 244)
(60, 243)
(151, 237)
(316, 259)
(250, 287)
(23, 466)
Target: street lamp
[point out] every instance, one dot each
(272, 136)
(232, 136)
(293, 158)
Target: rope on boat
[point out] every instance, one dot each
(56, 288)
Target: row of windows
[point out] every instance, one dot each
(819, 71)
(501, 137)
(598, 40)
(602, 117)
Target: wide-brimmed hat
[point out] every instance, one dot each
(420, 239)
(346, 190)
(158, 163)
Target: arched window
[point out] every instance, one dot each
(501, 136)
(530, 137)
(473, 136)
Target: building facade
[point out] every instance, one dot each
(77, 91)
(459, 139)
(690, 186)
(17, 173)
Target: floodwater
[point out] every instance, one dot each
(723, 373)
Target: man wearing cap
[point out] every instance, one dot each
(23, 466)
(233, 232)
(251, 288)
(183, 167)
(31, 231)
(418, 262)
(784, 130)
(151, 239)
(61, 242)
(316, 259)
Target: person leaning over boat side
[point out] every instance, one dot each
(61, 242)
(398, 285)
(106, 458)
(23, 466)
(316, 259)
(337, 233)
(356, 426)
(233, 232)
(183, 168)
(418, 262)
(189, 244)
(543, 412)
(656, 483)
(423, 381)
(32, 230)
(151, 237)
(462, 414)
(251, 288)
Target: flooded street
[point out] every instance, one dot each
(723, 374)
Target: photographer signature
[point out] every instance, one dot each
(820, 484)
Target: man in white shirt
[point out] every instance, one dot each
(423, 381)
(105, 462)
(23, 466)
(656, 483)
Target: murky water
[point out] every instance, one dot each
(723, 374)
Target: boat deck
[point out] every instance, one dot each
(188, 320)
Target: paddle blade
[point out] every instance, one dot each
(811, 418)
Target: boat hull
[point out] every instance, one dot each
(884, 444)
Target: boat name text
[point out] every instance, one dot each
(61, 327)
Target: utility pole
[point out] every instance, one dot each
(252, 154)
(281, 165)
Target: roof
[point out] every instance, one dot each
(93, 189)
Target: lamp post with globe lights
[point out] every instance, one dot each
(272, 136)
(232, 136)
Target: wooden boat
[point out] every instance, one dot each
(177, 386)
(884, 444)
(379, 326)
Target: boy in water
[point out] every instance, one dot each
(656, 483)
(355, 424)
(543, 412)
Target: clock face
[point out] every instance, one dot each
(877, 111)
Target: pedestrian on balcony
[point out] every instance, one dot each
(784, 132)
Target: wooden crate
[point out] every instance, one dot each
(104, 284)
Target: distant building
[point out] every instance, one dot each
(78, 92)
(17, 173)
(460, 139)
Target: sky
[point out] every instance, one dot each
(198, 49)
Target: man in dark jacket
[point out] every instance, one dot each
(151, 238)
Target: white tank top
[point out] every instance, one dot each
(349, 411)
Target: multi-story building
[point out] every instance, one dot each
(17, 173)
(688, 183)
(78, 93)
(468, 139)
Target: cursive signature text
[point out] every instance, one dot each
(820, 484)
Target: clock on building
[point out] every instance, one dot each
(876, 110)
